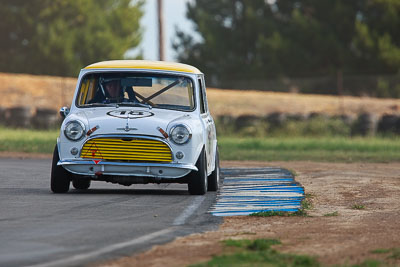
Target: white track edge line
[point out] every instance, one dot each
(96, 253)
(181, 219)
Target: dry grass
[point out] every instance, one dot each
(35, 91)
(54, 92)
(259, 103)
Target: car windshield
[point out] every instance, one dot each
(144, 90)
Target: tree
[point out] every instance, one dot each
(321, 30)
(377, 38)
(59, 37)
(231, 32)
(257, 39)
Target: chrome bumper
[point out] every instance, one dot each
(94, 168)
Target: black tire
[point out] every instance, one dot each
(214, 178)
(197, 184)
(81, 184)
(60, 178)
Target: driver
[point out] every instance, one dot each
(109, 91)
(113, 89)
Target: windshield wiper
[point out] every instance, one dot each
(135, 104)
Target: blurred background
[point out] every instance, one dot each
(272, 67)
(307, 46)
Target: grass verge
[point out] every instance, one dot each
(395, 253)
(270, 213)
(329, 149)
(306, 204)
(257, 253)
(332, 214)
(30, 141)
(358, 207)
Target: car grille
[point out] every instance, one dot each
(126, 149)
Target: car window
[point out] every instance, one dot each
(203, 97)
(159, 91)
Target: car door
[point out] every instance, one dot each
(207, 122)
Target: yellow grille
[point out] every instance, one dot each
(126, 149)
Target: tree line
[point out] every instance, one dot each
(240, 40)
(59, 37)
(266, 39)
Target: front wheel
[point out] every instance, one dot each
(214, 178)
(60, 178)
(197, 184)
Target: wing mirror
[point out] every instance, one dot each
(64, 111)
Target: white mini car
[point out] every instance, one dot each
(134, 121)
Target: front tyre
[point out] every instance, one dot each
(197, 184)
(60, 178)
(214, 178)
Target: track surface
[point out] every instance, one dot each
(40, 228)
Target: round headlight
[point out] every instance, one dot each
(74, 130)
(180, 134)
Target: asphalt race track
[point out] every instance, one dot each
(107, 221)
(39, 228)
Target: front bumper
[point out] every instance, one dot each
(100, 167)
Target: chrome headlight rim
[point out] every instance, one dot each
(183, 126)
(81, 124)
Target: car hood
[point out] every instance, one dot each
(125, 120)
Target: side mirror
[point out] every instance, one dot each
(64, 111)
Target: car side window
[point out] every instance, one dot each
(203, 97)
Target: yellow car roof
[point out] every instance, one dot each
(144, 64)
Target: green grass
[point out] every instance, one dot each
(270, 213)
(358, 207)
(258, 244)
(31, 141)
(395, 252)
(332, 214)
(306, 204)
(257, 253)
(329, 149)
(381, 251)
